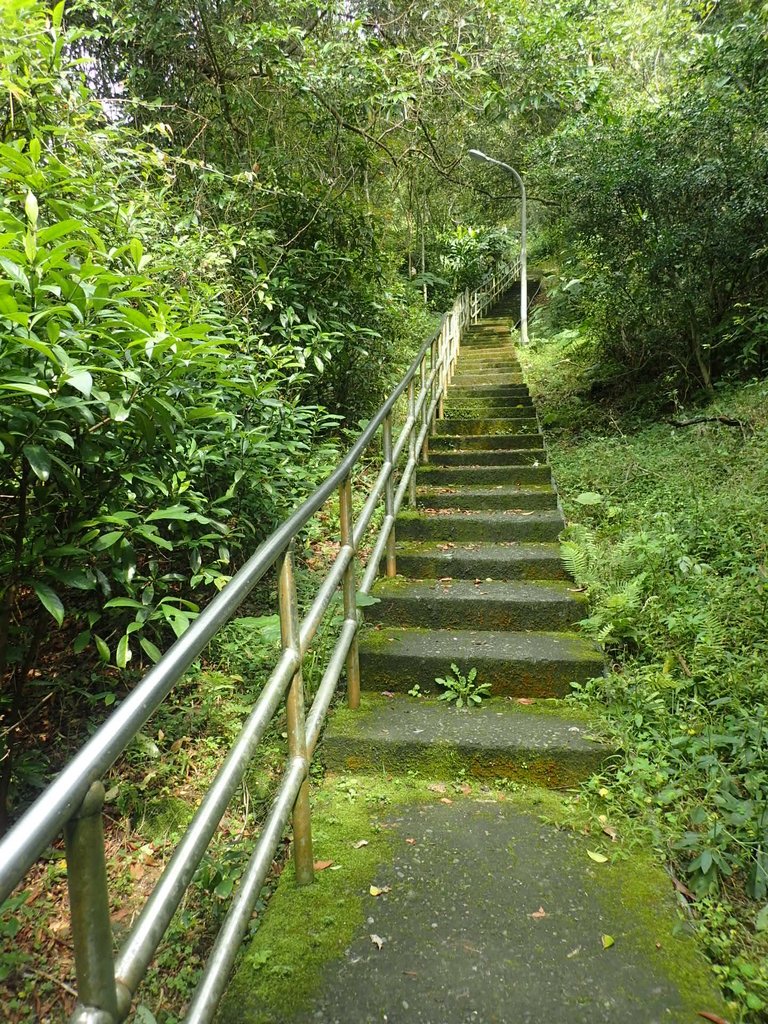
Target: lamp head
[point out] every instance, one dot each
(476, 154)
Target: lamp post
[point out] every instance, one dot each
(476, 154)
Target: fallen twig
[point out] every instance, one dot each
(727, 421)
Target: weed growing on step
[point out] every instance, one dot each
(462, 690)
(674, 558)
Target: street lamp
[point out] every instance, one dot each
(476, 154)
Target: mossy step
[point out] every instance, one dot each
(516, 664)
(488, 425)
(490, 391)
(495, 457)
(493, 408)
(510, 561)
(450, 525)
(483, 442)
(451, 476)
(496, 740)
(495, 604)
(472, 396)
(489, 377)
(470, 366)
(499, 497)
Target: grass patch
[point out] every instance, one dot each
(668, 532)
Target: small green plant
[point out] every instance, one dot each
(415, 691)
(463, 690)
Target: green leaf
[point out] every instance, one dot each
(761, 921)
(102, 648)
(123, 654)
(598, 858)
(589, 498)
(15, 273)
(25, 388)
(81, 641)
(607, 941)
(106, 540)
(366, 600)
(149, 648)
(50, 600)
(39, 460)
(82, 381)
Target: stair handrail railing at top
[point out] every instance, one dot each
(73, 802)
(495, 283)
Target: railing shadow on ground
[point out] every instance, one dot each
(73, 803)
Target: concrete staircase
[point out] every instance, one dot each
(481, 585)
(448, 900)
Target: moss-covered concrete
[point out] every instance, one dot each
(434, 560)
(489, 908)
(495, 457)
(494, 604)
(537, 525)
(487, 425)
(497, 496)
(518, 664)
(484, 442)
(496, 740)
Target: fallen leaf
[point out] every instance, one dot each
(465, 788)
(711, 1016)
(375, 890)
(683, 889)
(598, 858)
(411, 842)
(359, 844)
(611, 831)
(377, 941)
(411, 974)
(573, 953)
(437, 787)
(445, 800)
(321, 865)
(387, 693)
(538, 914)
(525, 700)
(607, 941)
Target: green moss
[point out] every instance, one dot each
(305, 927)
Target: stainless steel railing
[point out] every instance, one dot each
(73, 803)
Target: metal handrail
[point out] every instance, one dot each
(73, 802)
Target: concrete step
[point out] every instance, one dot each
(452, 476)
(479, 408)
(494, 740)
(499, 497)
(489, 425)
(483, 442)
(506, 561)
(491, 377)
(450, 524)
(495, 457)
(456, 604)
(515, 664)
(490, 391)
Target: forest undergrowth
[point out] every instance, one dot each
(668, 533)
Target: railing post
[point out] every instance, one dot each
(89, 909)
(349, 592)
(424, 409)
(389, 495)
(435, 384)
(294, 706)
(412, 443)
(443, 375)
